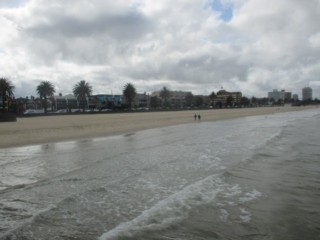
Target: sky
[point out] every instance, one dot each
(252, 46)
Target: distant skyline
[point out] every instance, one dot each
(252, 46)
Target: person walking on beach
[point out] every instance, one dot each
(195, 116)
(199, 117)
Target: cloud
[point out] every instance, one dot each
(185, 45)
(11, 3)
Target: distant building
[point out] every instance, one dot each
(65, 102)
(105, 101)
(222, 97)
(287, 96)
(295, 97)
(142, 100)
(282, 96)
(176, 98)
(29, 103)
(307, 93)
(276, 95)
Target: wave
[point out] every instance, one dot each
(170, 210)
(11, 234)
(178, 206)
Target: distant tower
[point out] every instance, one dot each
(306, 93)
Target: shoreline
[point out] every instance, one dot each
(47, 129)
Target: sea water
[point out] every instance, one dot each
(248, 178)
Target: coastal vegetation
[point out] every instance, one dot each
(164, 94)
(82, 90)
(82, 100)
(6, 94)
(129, 92)
(6, 91)
(45, 89)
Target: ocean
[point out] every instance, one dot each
(249, 178)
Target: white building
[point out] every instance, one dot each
(222, 96)
(175, 98)
(276, 95)
(64, 102)
(142, 100)
(306, 93)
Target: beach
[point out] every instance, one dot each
(45, 129)
(254, 177)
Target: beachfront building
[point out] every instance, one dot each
(295, 97)
(201, 101)
(224, 98)
(100, 101)
(176, 99)
(287, 97)
(276, 95)
(306, 93)
(28, 103)
(142, 100)
(282, 96)
(68, 101)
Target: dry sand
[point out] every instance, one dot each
(37, 130)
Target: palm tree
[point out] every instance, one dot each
(45, 89)
(82, 90)
(6, 91)
(164, 94)
(129, 92)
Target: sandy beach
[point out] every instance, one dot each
(45, 129)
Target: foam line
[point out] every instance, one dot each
(11, 233)
(170, 210)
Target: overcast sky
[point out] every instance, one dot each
(252, 46)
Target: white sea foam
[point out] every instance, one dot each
(250, 196)
(11, 233)
(245, 216)
(224, 215)
(170, 210)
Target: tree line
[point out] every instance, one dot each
(81, 90)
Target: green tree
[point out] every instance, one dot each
(198, 101)
(6, 91)
(129, 92)
(155, 102)
(212, 96)
(82, 90)
(245, 101)
(45, 89)
(165, 94)
(189, 99)
(272, 101)
(230, 101)
(254, 101)
(263, 101)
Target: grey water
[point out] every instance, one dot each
(248, 178)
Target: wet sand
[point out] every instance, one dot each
(45, 129)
